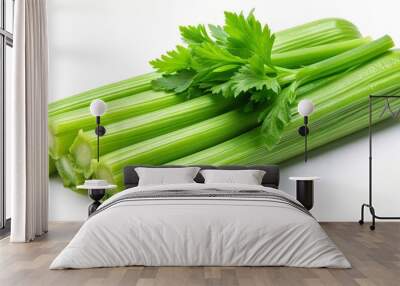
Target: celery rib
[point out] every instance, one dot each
(118, 109)
(140, 128)
(67, 173)
(107, 93)
(170, 146)
(310, 55)
(64, 127)
(315, 33)
(345, 60)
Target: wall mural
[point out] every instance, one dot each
(227, 95)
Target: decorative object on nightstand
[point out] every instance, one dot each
(395, 115)
(98, 108)
(96, 190)
(305, 190)
(305, 108)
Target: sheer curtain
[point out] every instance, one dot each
(26, 160)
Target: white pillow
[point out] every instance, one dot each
(165, 176)
(247, 177)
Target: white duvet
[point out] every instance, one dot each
(200, 231)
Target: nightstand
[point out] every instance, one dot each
(96, 191)
(305, 190)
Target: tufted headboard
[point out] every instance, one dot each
(271, 177)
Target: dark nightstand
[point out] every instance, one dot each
(96, 191)
(305, 190)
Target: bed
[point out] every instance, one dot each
(198, 224)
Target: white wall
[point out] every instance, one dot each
(94, 42)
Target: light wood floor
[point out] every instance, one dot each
(375, 257)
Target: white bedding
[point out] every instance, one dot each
(200, 231)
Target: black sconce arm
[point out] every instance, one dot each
(100, 131)
(304, 131)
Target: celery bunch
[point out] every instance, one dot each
(343, 96)
(341, 109)
(228, 96)
(236, 61)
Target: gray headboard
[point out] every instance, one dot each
(271, 177)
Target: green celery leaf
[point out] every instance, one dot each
(193, 92)
(194, 35)
(219, 34)
(249, 107)
(173, 61)
(225, 68)
(262, 96)
(247, 37)
(225, 89)
(178, 82)
(253, 76)
(277, 116)
(216, 77)
(211, 55)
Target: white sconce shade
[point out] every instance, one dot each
(305, 107)
(98, 107)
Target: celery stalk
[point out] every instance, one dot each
(315, 33)
(305, 56)
(67, 173)
(170, 146)
(107, 92)
(59, 145)
(118, 109)
(340, 62)
(140, 128)
(345, 60)
(64, 127)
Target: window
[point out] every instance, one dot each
(6, 43)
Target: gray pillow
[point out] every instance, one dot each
(165, 176)
(247, 177)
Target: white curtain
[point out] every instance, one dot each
(26, 160)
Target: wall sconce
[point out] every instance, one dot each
(305, 108)
(98, 108)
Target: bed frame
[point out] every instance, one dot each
(270, 179)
